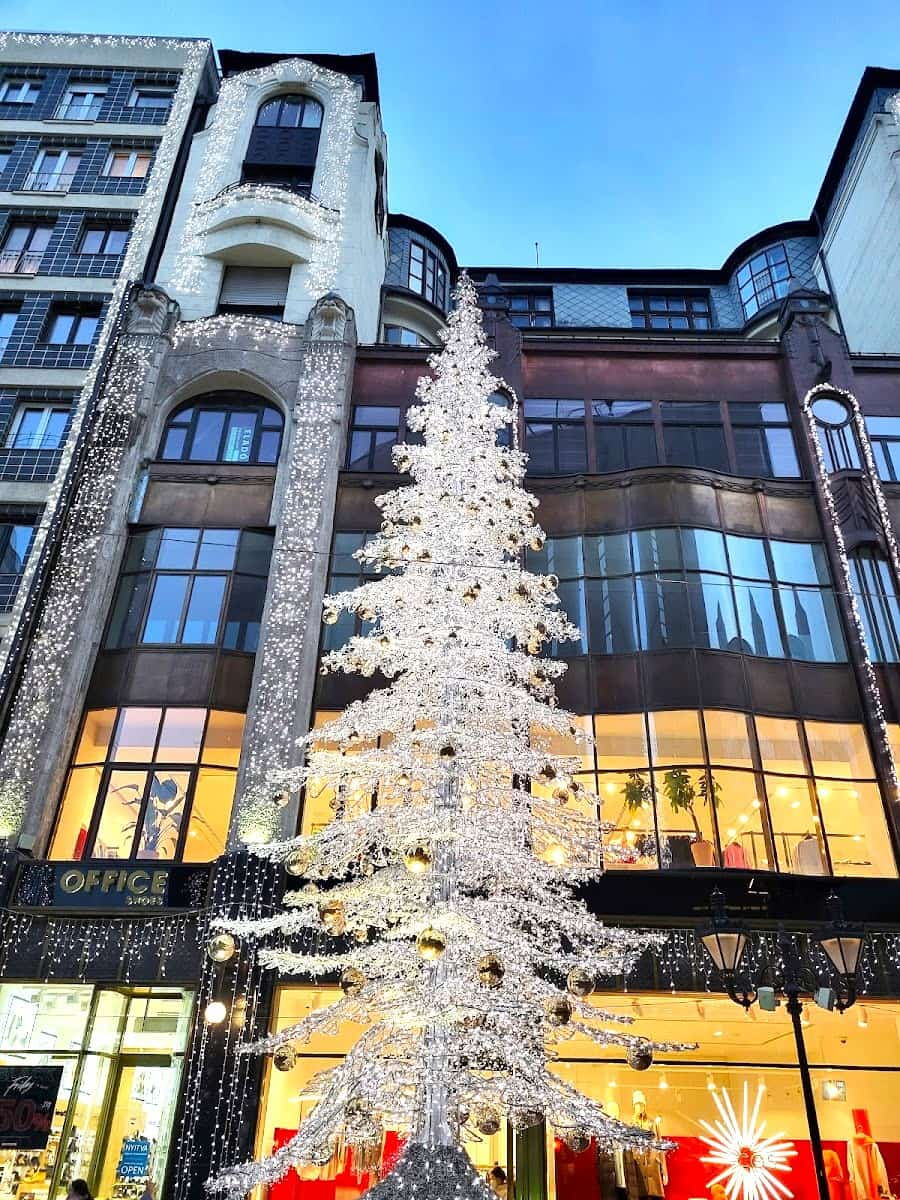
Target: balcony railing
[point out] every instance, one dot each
(49, 181)
(20, 262)
(80, 112)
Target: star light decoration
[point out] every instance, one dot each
(748, 1158)
(449, 909)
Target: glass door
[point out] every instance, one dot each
(136, 1143)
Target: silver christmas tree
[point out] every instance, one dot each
(448, 909)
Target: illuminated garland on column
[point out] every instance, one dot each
(874, 692)
(237, 94)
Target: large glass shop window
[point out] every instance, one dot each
(105, 1070)
(150, 783)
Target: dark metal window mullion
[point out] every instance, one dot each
(811, 784)
(193, 770)
(762, 794)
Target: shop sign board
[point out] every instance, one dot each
(27, 1100)
(91, 885)
(134, 1162)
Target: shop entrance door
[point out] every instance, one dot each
(132, 1153)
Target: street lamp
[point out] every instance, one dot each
(843, 944)
(725, 941)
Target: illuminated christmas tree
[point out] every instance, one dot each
(449, 908)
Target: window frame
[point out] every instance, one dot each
(151, 89)
(53, 178)
(535, 317)
(752, 283)
(149, 767)
(12, 579)
(431, 281)
(106, 231)
(79, 315)
(133, 157)
(48, 409)
(94, 106)
(27, 260)
(643, 315)
(33, 86)
(360, 428)
(229, 403)
(302, 100)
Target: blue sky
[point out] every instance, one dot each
(638, 133)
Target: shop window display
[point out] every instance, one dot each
(109, 1063)
(745, 1064)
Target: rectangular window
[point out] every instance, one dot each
(128, 164)
(531, 309)
(145, 96)
(694, 435)
(82, 102)
(427, 275)
(197, 587)
(75, 327)
(670, 310)
(158, 785)
(38, 427)
(103, 239)
(555, 437)
(53, 171)
(23, 248)
(764, 279)
(374, 430)
(19, 91)
(15, 542)
(763, 441)
(258, 291)
(8, 318)
(624, 434)
(884, 434)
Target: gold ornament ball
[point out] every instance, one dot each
(558, 1011)
(534, 646)
(640, 1056)
(221, 947)
(332, 916)
(537, 542)
(487, 1120)
(490, 971)
(447, 751)
(298, 861)
(330, 616)
(577, 1140)
(431, 943)
(284, 1058)
(417, 859)
(526, 1118)
(580, 982)
(352, 981)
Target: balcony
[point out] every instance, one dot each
(49, 181)
(20, 262)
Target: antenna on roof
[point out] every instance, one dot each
(537, 255)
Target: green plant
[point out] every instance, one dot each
(710, 790)
(681, 794)
(636, 791)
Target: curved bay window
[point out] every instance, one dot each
(684, 789)
(200, 587)
(227, 427)
(150, 783)
(667, 588)
(294, 111)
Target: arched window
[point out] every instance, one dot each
(837, 436)
(290, 112)
(225, 427)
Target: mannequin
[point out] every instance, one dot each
(868, 1174)
(651, 1164)
(618, 1156)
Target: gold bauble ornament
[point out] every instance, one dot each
(352, 981)
(490, 970)
(298, 861)
(431, 943)
(561, 795)
(470, 595)
(548, 771)
(580, 982)
(284, 1057)
(537, 542)
(487, 1120)
(330, 616)
(534, 646)
(526, 1118)
(577, 1140)
(448, 750)
(558, 1011)
(221, 947)
(360, 935)
(366, 614)
(333, 916)
(417, 859)
(639, 1056)
(281, 799)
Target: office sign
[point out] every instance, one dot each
(131, 886)
(27, 1100)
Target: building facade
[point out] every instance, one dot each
(715, 454)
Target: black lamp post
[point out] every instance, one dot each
(725, 941)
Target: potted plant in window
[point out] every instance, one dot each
(679, 790)
(637, 796)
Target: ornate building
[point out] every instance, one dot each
(715, 452)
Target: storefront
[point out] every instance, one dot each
(89, 1085)
(741, 1085)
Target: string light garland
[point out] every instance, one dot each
(474, 767)
(323, 218)
(93, 508)
(749, 1159)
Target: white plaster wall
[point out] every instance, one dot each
(862, 244)
(362, 253)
